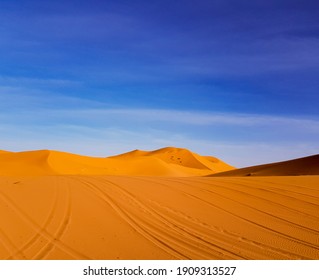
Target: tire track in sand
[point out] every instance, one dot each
(10, 246)
(295, 192)
(42, 231)
(254, 223)
(60, 230)
(176, 233)
(227, 239)
(270, 202)
(271, 186)
(38, 235)
(236, 238)
(127, 217)
(314, 234)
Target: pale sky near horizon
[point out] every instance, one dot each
(232, 79)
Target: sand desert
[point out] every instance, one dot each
(165, 204)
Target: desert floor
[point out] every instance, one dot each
(147, 217)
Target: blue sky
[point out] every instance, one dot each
(233, 79)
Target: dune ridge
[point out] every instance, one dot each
(181, 157)
(163, 162)
(302, 166)
(25, 163)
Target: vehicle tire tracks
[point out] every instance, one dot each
(238, 238)
(134, 222)
(190, 240)
(259, 225)
(40, 230)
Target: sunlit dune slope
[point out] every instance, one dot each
(127, 217)
(163, 162)
(301, 166)
(181, 157)
(25, 163)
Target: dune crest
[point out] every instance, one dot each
(182, 157)
(163, 162)
(296, 167)
(25, 163)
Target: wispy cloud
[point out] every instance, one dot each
(72, 110)
(36, 82)
(31, 100)
(182, 117)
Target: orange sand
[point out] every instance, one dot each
(56, 205)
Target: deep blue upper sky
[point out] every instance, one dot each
(221, 77)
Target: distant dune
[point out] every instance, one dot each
(164, 162)
(301, 166)
(61, 206)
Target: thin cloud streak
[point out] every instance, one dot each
(43, 106)
(34, 82)
(184, 117)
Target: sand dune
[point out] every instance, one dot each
(163, 162)
(301, 166)
(180, 157)
(66, 211)
(25, 163)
